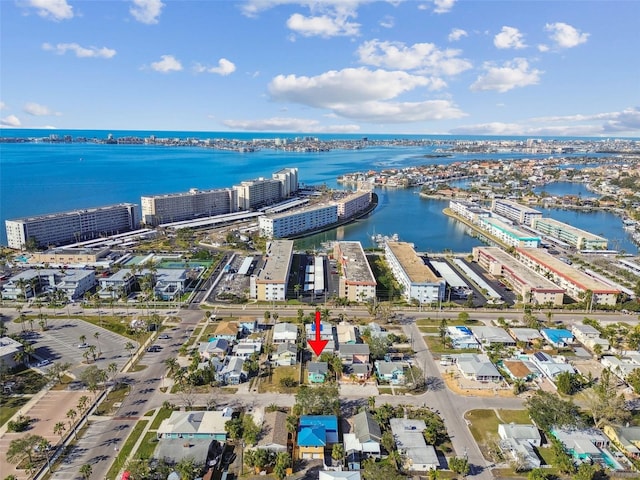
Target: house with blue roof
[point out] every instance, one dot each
(315, 432)
(558, 337)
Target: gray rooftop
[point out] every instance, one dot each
(276, 262)
(355, 267)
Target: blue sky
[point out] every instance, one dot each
(335, 66)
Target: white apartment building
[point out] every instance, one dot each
(288, 178)
(175, 207)
(286, 224)
(515, 211)
(357, 282)
(270, 284)
(74, 226)
(469, 210)
(354, 203)
(580, 239)
(508, 234)
(419, 282)
(257, 193)
(28, 283)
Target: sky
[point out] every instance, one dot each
(475, 67)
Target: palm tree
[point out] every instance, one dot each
(112, 370)
(86, 470)
(44, 446)
(71, 415)
(97, 337)
(130, 347)
(59, 429)
(83, 338)
(82, 402)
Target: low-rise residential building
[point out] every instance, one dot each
(574, 281)
(589, 337)
(346, 333)
(549, 367)
(525, 335)
(245, 349)
(621, 367)
(285, 354)
(558, 337)
(275, 436)
(419, 282)
(471, 211)
(288, 224)
(530, 285)
(69, 256)
(203, 425)
(217, 347)
(462, 338)
(488, 336)
(232, 373)
(285, 332)
(364, 440)
(626, 439)
(476, 367)
(315, 432)
(584, 444)
(416, 455)
(392, 372)
(354, 353)
(317, 372)
(357, 282)
(73, 283)
(518, 370)
(518, 441)
(227, 331)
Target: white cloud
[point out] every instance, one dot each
(456, 34)
(424, 57)
(168, 64)
(3, 105)
(401, 112)
(38, 110)
(598, 124)
(509, 37)
(443, 6)
(363, 94)
(10, 121)
(348, 86)
(510, 75)
(52, 9)
(543, 48)
(283, 124)
(564, 35)
(322, 26)
(80, 51)
(388, 22)
(224, 68)
(146, 11)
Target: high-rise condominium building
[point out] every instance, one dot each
(68, 227)
(175, 207)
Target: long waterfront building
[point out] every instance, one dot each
(176, 207)
(508, 234)
(63, 228)
(515, 211)
(408, 268)
(287, 224)
(580, 239)
(354, 203)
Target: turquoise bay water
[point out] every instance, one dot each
(37, 178)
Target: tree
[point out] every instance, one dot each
(71, 415)
(283, 461)
(85, 471)
(318, 400)
(250, 430)
(548, 410)
(633, 379)
(568, 383)
(44, 446)
(187, 468)
(21, 447)
(463, 317)
(129, 347)
(459, 465)
(96, 335)
(92, 376)
(82, 403)
(372, 470)
(59, 429)
(537, 474)
(337, 451)
(234, 428)
(57, 370)
(586, 472)
(605, 404)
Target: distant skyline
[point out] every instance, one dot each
(533, 68)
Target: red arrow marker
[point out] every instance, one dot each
(317, 345)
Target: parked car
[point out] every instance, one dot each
(164, 336)
(83, 345)
(43, 363)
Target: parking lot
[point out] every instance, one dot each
(60, 344)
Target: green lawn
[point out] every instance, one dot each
(148, 445)
(9, 406)
(126, 449)
(483, 426)
(115, 396)
(163, 414)
(278, 373)
(514, 416)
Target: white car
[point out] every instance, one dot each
(83, 345)
(43, 363)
